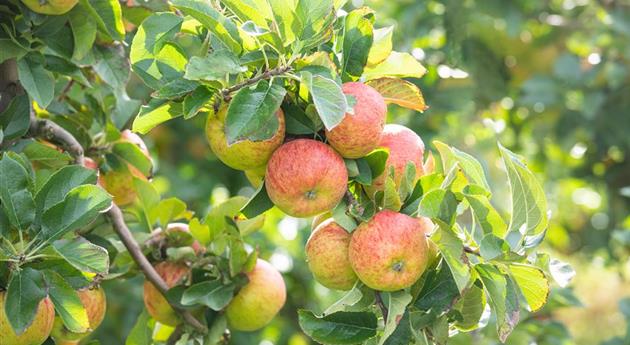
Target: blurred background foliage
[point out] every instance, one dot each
(549, 79)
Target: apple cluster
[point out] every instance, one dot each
(305, 177)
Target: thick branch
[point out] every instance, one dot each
(118, 222)
(43, 128)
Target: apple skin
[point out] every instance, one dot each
(157, 306)
(95, 304)
(36, 333)
(404, 146)
(120, 184)
(320, 218)
(134, 138)
(258, 302)
(390, 251)
(51, 7)
(327, 256)
(359, 133)
(244, 155)
(305, 178)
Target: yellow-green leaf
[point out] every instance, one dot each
(400, 92)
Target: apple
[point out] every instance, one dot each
(134, 138)
(95, 304)
(51, 7)
(404, 146)
(390, 251)
(327, 256)
(258, 302)
(36, 333)
(243, 155)
(305, 177)
(318, 219)
(359, 133)
(157, 306)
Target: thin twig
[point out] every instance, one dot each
(225, 93)
(174, 337)
(471, 250)
(118, 222)
(353, 202)
(380, 304)
(65, 90)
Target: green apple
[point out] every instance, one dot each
(51, 7)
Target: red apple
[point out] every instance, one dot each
(258, 302)
(327, 256)
(243, 155)
(305, 177)
(36, 333)
(95, 304)
(404, 146)
(389, 252)
(359, 133)
(157, 306)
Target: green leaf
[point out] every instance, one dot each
(108, 17)
(359, 298)
(215, 66)
(15, 119)
(396, 304)
(377, 160)
(502, 296)
(382, 45)
(196, 100)
(38, 82)
(408, 181)
(339, 328)
(45, 155)
(486, 215)
(80, 206)
(175, 89)
(168, 210)
(342, 217)
(400, 92)
(470, 308)
(112, 65)
(493, 247)
(529, 205)
(15, 193)
(214, 294)
(152, 58)
(67, 303)
(469, 165)
(329, 100)
(439, 205)
(313, 23)
(391, 198)
(452, 250)
(258, 204)
(60, 183)
(83, 255)
(83, 31)
(9, 50)
(252, 112)
(533, 284)
(155, 113)
(142, 331)
(25, 291)
(396, 65)
(224, 29)
(201, 232)
(132, 154)
(357, 41)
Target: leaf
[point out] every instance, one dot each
(469, 165)
(214, 294)
(45, 155)
(258, 204)
(108, 17)
(38, 82)
(502, 296)
(15, 119)
(439, 205)
(134, 156)
(391, 198)
(400, 92)
(152, 58)
(437, 295)
(377, 160)
(396, 304)
(215, 66)
(83, 255)
(396, 65)
(452, 250)
(176, 88)
(342, 218)
(196, 100)
(25, 291)
(357, 41)
(493, 247)
(339, 328)
(252, 112)
(470, 307)
(60, 183)
(15, 194)
(357, 299)
(112, 65)
(10, 49)
(142, 331)
(83, 31)
(169, 209)
(80, 206)
(313, 23)
(533, 284)
(529, 205)
(329, 100)
(561, 272)
(67, 303)
(382, 45)
(155, 113)
(486, 215)
(223, 28)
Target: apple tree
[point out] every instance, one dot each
(295, 94)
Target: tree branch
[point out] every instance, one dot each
(225, 93)
(118, 222)
(380, 304)
(43, 128)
